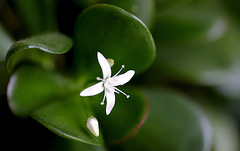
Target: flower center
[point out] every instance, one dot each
(109, 84)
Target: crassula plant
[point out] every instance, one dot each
(37, 89)
(109, 75)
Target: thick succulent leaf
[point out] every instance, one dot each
(225, 129)
(203, 49)
(173, 124)
(68, 117)
(5, 42)
(38, 15)
(208, 64)
(190, 25)
(141, 8)
(115, 33)
(31, 87)
(37, 49)
(61, 144)
(163, 6)
(126, 117)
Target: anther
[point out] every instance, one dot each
(99, 79)
(102, 103)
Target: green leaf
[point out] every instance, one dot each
(61, 144)
(68, 118)
(199, 64)
(197, 44)
(115, 33)
(37, 49)
(163, 6)
(194, 24)
(224, 127)
(173, 124)
(38, 15)
(141, 8)
(5, 42)
(31, 87)
(125, 119)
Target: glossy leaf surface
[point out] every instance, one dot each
(115, 33)
(143, 9)
(68, 117)
(31, 87)
(5, 42)
(60, 144)
(37, 49)
(173, 124)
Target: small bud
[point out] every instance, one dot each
(111, 62)
(92, 125)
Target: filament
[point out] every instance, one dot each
(121, 92)
(119, 71)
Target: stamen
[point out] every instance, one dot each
(117, 92)
(119, 71)
(121, 92)
(102, 103)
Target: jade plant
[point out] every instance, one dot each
(118, 75)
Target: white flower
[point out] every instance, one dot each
(108, 83)
(92, 125)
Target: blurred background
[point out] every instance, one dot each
(197, 61)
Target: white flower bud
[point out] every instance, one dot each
(92, 125)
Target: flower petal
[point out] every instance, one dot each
(105, 66)
(93, 90)
(110, 101)
(123, 78)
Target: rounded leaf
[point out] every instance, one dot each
(189, 25)
(141, 8)
(68, 118)
(31, 87)
(115, 33)
(5, 42)
(225, 128)
(164, 6)
(173, 124)
(37, 49)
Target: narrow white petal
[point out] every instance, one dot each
(93, 90)
(92, 125)
(123, 78)
(110, 101)
(105, 66)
